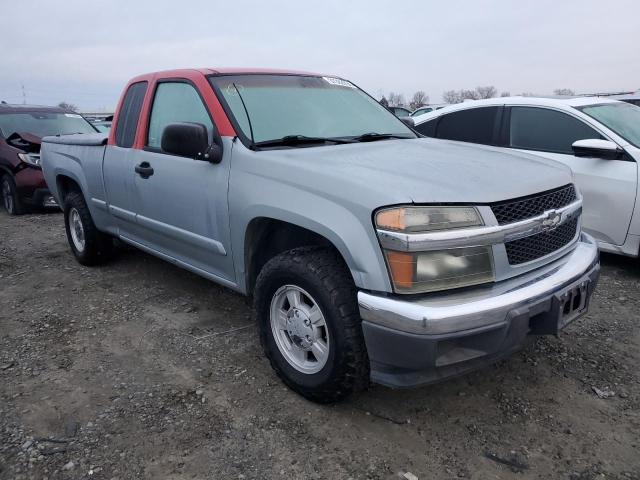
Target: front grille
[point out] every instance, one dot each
(536, 246)
(521, 209)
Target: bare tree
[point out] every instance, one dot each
(418, 100)
(384, 102)
(469, 94)
(563, 91)
(451, 96)
(396, 99)
(457, 96)
(505, 94)
(68, 106)
(487, 92)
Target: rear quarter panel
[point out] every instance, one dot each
(79, 158)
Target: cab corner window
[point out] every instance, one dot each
(542, 129)
(475, 125)
(175, 102)
(127, 124)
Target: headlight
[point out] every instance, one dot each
(420, 272)
(428, 271)
(426, 219)
(32, 159)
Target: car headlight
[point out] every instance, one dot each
(32, 159)
(427, 219)
(428, 271)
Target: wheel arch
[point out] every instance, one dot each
(66, 184)
(266, 237)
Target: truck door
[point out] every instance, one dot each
(181, 203)
(119, 162)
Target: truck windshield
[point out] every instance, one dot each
(622, 118)
(297, 106)
(42, 124)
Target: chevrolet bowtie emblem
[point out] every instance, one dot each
(552, 220)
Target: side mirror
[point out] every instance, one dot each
(191, 140)
(597, 148)
(408, 121)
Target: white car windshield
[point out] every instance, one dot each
(279, 106)
(622, 118)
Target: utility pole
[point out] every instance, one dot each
(24, 95)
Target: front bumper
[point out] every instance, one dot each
(419, 340)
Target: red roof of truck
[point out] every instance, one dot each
(219, 70)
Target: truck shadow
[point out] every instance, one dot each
(628, 267)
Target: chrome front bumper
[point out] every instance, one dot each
(488, 307)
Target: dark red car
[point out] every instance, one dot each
(21, 129)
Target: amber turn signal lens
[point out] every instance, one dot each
(392, 219)
(402, 266)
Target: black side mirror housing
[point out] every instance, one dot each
(597, 148)
(191, 140)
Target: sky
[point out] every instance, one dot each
(84, 52)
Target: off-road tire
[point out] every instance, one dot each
(98, 246)
(16, 207)
(322, 273)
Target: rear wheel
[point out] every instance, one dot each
(10, 199)
(310, 326)
(88, 244)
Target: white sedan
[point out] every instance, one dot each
(598, 138)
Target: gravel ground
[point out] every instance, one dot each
(138, 369)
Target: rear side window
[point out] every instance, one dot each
(475, 125)
(546, 130)
(130, 114)
(176, 102)
(427, 128)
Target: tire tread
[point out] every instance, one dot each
(352, 374)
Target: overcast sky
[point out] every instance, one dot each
(83, 52)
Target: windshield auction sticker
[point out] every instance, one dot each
(339, 82)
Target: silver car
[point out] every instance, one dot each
(371, 254)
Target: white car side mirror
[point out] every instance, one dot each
(597, 148)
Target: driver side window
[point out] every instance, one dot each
(175, 102)
(542, 129)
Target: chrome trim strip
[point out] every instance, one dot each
(449, 312)
(479, 236)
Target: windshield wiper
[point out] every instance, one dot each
(293, 140)
(373, 136)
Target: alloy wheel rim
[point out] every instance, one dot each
(299, 329)
(76, 229)
(6, 196)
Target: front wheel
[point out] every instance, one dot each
(89, 245)
(10, 199)
(310, 326)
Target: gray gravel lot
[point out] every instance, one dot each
(125, 371)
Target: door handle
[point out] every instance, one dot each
(144, 170)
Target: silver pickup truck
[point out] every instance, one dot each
(371, 254)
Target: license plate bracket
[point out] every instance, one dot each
(571, 304)
(566, 306)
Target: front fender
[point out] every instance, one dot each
(349, 229)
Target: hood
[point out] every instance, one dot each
(27, 142)
(420, 171)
